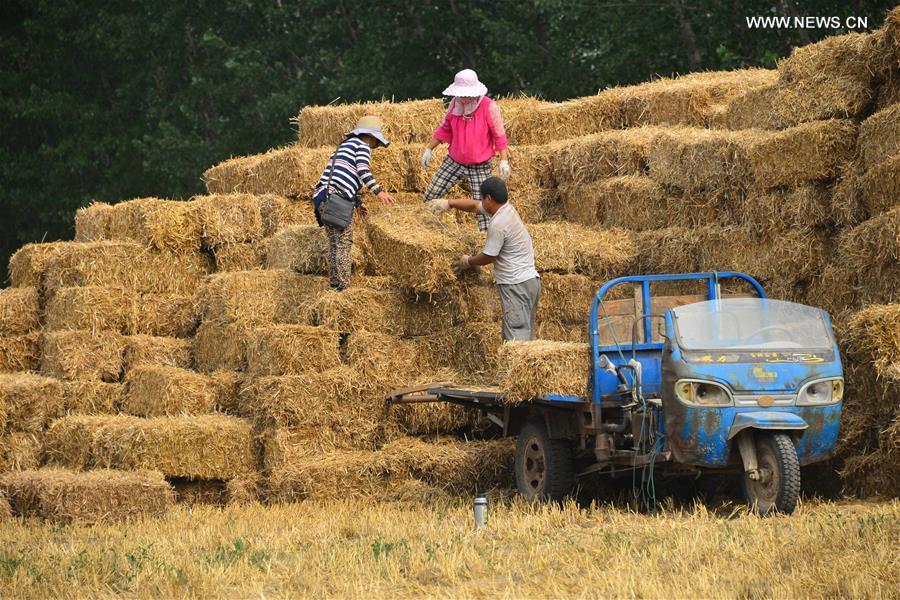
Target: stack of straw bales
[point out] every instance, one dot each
(198, 339)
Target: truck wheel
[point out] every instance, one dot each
(545, 468)
(778, 486)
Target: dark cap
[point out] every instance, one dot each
(496, 189)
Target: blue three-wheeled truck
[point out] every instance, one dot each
(705, 383)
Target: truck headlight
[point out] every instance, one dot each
(703, 393)
(824, 391)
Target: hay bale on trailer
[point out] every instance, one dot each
(19, 311)
(28, 401)
(80, 354)
(527, 369)
(292, 349)
(91, 397)
(20, 352)
(90, 308)
(156, 351)
(103, 496)
(171, 225)
(154, 391)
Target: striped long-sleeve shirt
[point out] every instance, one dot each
(352, 169)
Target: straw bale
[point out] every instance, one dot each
(559, 332)
(29, 263)
(360, 309)
(756, 108)
(158, 351)
(340, 405)
(229, 219)
(404, 122)
(91, 397)
(385, 359)
(68, 441)
(231, 175)
(278, 212)
(479, 302)
(589, 158)
(19, 310)
(304, 249)
(565, 298)
(529, 121)
(527, 369)
(172, 225)
(879, 136)
(245, 489)
(867, 261)
(258, 297)
(123, 264)
(210, 492)
(28, 401)
(90, 308)
(415, 248)
(567, 248)
(228, 389)
(20, 352)
(457, 466)
(242, 256)
(332, 475)
(630, 201)
(5, 508)
(469, 349)
(698, 159)
(889, 90)
(434, 417)
(880, 187)
(282, 446)
(92, 222)
(686, 100)
(783, 210)
(20, 451)
(292, 350)
(198, 447)
(815, 152)
(79, 354)
(103, 496)
(833, 78)
(167, 315)
(153, 391)
(221, 346)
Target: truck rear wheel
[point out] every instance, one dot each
(778, 486)
(545, 468)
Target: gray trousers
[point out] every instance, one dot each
(519, 302)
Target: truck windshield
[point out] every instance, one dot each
(751, 324)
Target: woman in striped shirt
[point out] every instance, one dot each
(348, 170)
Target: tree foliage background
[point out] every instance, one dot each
(115, 100)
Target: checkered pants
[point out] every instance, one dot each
(450, 172)
(340, 261)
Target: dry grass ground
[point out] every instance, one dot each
(351, 550)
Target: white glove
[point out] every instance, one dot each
(504, 169)
(426, 157)
(439, 206)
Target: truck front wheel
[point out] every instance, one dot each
(778, 485)
(545, 468)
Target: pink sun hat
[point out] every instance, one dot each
(466, 84)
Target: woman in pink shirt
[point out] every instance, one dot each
(473, 126)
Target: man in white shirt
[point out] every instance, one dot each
(509, 249)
